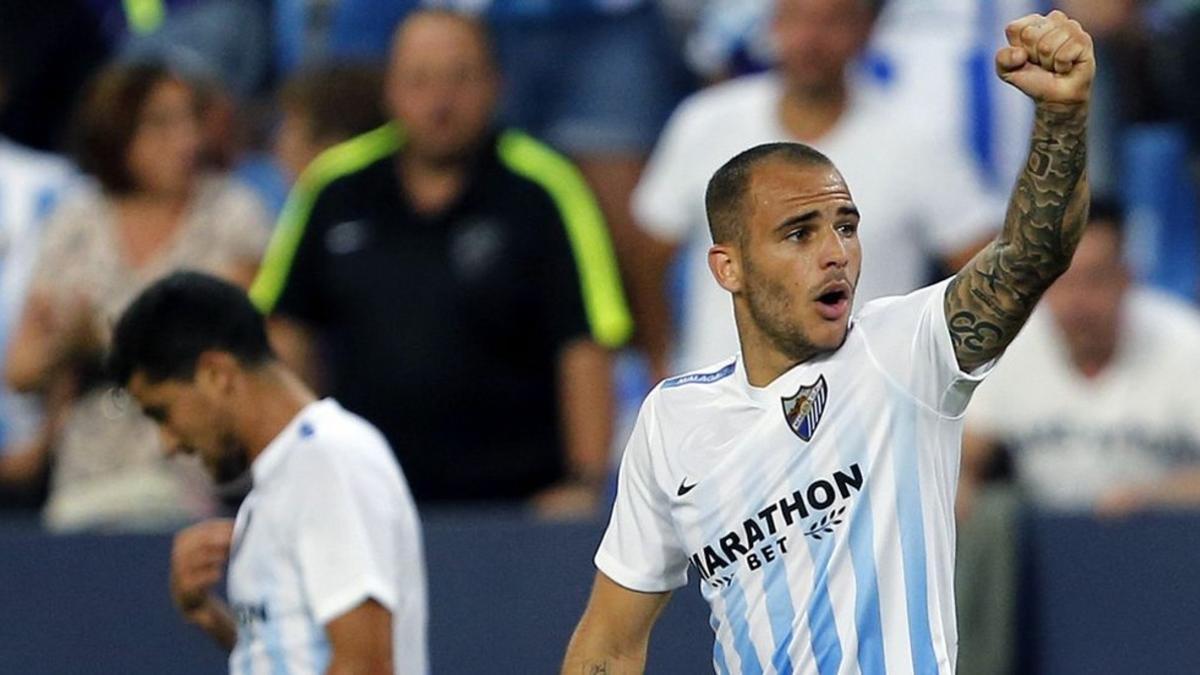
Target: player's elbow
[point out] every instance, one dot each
(599, 641)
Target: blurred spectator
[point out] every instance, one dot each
(597, 80)
(30, 184)
(939, 57)
(936, 55)
(461, 283)
(921, 201)
(728, 38)
(1095, 398)
(322, 106)
(153, 210)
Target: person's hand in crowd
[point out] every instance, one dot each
(1123, 502)
(71, 328)
(78, 327)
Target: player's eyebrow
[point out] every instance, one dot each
(801, 219)
(809, 216)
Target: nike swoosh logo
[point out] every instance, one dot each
(684, 488)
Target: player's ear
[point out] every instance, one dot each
(216, 371)
(725, 263)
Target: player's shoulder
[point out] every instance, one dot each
(536, 176)
(343, 169)
(717, 105)
(898, 309)
(697, 387)
(333, 438)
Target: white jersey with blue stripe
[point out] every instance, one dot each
(818, 511)
(329, 524)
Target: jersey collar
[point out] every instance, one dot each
(269, 461)
(783, 386)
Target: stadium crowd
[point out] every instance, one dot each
(487, 236)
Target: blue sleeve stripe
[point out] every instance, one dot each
(700, 378)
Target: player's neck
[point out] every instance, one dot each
(1092, 362)
(808, 113)
(274, 397)
(763, 360)
(432, 186)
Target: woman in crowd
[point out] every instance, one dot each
(152, 208)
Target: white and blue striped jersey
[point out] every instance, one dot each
(818, 511)
(328, 525)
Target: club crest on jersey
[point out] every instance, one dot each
(803, 409)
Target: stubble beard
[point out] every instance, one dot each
(232, 464)
(773, 312)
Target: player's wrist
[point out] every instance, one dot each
(1057, 111)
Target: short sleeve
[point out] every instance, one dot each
(909, 339)
(641, 550)
(665, 202)
(350, 534)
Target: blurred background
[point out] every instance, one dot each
(246, 138)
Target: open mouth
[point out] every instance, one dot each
(834, 297)
(835, 302)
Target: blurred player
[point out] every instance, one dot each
(326, 573)
(810, 480)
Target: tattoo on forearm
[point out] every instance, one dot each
(990, 299)
(596, 668)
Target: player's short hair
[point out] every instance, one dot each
(724, 199)
(170, 324)
(339, 100)
(108, 119)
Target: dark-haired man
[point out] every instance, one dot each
(326, 573)
(810, 480)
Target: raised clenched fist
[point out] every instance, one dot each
(1050, 58)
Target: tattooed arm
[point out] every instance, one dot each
(1050, 59)
(613, 634)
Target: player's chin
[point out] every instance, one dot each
(828, 335)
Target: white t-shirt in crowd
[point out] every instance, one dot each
(918, 194)
(818, 510)
(329, 525)
(1073, 438)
